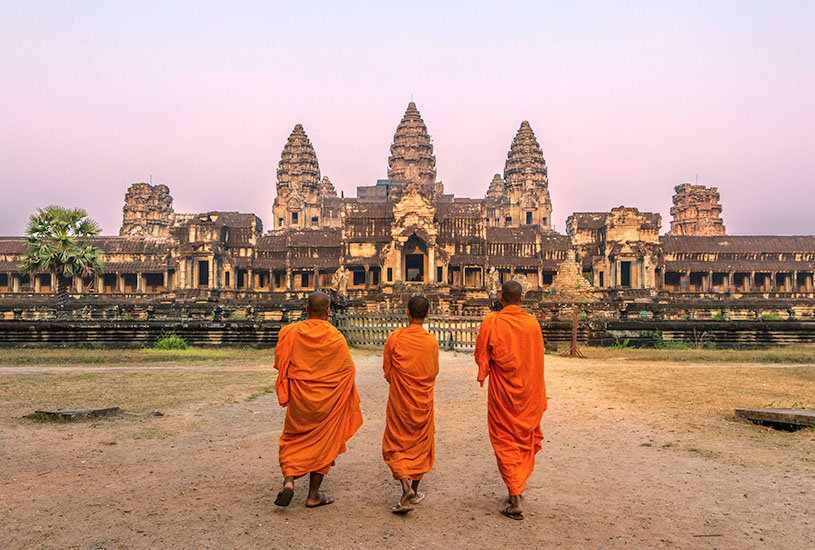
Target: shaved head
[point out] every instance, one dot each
(418, 307)
(511, 292)
(317, 305)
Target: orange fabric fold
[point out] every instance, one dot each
(509, 351)
(316, 384)
(410, 363)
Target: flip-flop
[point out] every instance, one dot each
(284, 497)
(518, 516)
(399, 509)
(419, 497)
(323, 502)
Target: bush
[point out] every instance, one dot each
(659, 343)
(718, 316)
(770, 317)
(620, 344)
(170, 341)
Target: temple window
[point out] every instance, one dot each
(390, 274)
(439, 274)
(601, 277)
(314, 220)
(508, 220)
(226, 279)
(304, 280)
(359, 277)
(528, 218)
(4, 286)
(374, 275)
(294, 216)
(280, 222)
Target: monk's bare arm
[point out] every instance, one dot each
(482, 352)
(387, 356)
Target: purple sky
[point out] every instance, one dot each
(626, 99)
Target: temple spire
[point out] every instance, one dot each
(411, 156)
(298, 168)
(525, 166)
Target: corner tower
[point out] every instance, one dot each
(526, 184)
(303, 199)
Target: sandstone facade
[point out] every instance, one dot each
(696, 211)
(404, 235)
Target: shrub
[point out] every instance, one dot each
(170, 341)
(659, 343)
(620, 344)
(718, 316)
(770, 317)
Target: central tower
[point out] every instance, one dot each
(411, 158)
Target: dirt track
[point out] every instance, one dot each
(209, 482)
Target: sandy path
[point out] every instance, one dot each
(212, 482)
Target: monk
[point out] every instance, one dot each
(411, 363)
(509, 350)
(316, 384)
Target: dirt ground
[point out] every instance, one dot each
(634, 456)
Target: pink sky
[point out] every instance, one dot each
(626, 101)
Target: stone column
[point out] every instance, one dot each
(212, 272)
(710, 281)
(15, 283)
(397, 272)
(316, 284)
(139, 282)
(367, 276)
(431, 264)
(250, 279)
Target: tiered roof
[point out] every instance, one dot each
(411, 156)
(298, 167)
(525, 161)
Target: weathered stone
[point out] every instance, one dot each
(148, 211)
(696, 211)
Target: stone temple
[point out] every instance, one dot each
(404, 234)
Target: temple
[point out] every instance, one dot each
(404, 234)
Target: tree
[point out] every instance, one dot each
(57, 240)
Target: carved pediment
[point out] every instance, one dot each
(414, 210)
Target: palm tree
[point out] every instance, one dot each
(57, 240)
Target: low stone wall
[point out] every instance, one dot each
(137, 334)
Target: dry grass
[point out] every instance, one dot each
(694, 403)
(799, 354)
(134, 357)
(138, 392)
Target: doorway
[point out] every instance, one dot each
(625, 274)
(203, 273)
(415, 260)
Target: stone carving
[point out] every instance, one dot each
(696, 211)
(493, 283)
(148, 211)
(339, 281)
(521, 279)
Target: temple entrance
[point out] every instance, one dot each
(415, 260)
(203, 273)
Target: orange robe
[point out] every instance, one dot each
(316, 383)
(509, 350)
(411, 363)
